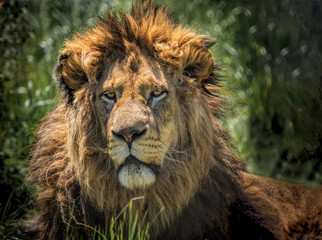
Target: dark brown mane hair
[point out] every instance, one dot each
(199, 192)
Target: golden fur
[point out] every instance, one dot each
(142, 76)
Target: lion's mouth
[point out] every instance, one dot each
(135, 174)
(133, 160)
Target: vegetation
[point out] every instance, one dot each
(271, 58)
(123, 226)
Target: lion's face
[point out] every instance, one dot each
(138, 93)
(136, 106)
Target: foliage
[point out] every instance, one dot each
(280, 64)
(270, 53)
(134, 230)
(123, 226)
(15, 124)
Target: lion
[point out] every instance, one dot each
(139, 116)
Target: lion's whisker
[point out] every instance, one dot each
(98, 148)
(172, 159)
(172, 149)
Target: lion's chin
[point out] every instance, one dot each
(134, 174)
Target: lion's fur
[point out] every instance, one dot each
(199, 178)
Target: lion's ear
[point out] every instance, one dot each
(69, 74)
(205, 41)
(198, 60)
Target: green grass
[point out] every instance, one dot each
(125, 226)
(10, 220)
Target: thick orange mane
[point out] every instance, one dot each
(129, 71)
(71, 155)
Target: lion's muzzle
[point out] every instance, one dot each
(137, 138)
(130, 134)
(131, 147)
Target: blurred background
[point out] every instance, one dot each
(270, 53)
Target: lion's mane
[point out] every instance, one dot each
(70, 155)
(70, 161)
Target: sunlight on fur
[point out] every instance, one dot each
(139, 116)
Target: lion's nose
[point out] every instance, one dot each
(130, 134)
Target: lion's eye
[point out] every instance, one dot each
(158, 94)
(109, 96)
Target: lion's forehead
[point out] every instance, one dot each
(147, 75)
